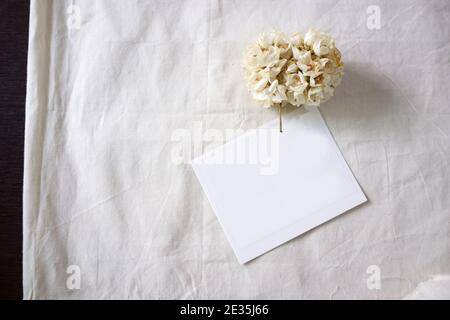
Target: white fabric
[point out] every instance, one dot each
(437, 288)
(102, 193)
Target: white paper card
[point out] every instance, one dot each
(268, 187)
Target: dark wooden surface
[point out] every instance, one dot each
(13, 66)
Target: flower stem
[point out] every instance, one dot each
(281, 122)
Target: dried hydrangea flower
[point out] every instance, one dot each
(297, 70)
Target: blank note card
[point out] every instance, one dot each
(268, 187)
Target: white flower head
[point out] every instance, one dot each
(301, 69)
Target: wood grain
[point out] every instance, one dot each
(13, 65)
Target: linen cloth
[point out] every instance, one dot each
(110, 81)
